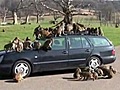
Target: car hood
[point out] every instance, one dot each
(2, 52)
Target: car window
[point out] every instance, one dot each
(75, 42)
(58, 44)
(99, 41)
(85, 43)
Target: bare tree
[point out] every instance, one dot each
(16, 4)
(13, 6)
(66, 10)
(3, 10)
(39, 9)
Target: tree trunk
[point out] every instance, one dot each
(37, 16)
(15, 21)
(4, 17)
(27, 19)
(68, 19)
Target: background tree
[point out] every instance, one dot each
(38, 9)
(65, 8)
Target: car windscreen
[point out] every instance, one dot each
(96, 41)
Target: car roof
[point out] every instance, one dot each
(76, 35)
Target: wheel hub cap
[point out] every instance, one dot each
(23, 68)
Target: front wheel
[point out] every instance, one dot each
(94, 62)
(22, 66)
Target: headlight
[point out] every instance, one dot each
(1, 58)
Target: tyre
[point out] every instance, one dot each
(94, 62)
(22, 66)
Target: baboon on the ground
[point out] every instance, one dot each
(99, 71)
(108, 72)
(47, 45)
(95, 75)
(3, 30)
(18, 77)
(76, 74)
(85, 69)
(86, 76)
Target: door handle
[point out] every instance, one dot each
(65, 52)
(87, 50)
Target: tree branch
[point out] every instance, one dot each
(58, 2)
(52, 9)
(58, 23)
(25, 6)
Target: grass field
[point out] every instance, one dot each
(22, 31)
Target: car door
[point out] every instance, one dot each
(79, 50)
(56, 58)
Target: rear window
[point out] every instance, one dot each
(99, 41)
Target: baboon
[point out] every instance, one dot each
(47, 45)
(76, 28)
(8, 46)
(52, 22)
(95, 75)
(18, 77)
(58, 31)
(27, 44)
(82, 26)
(108, 72)
(44, 33)
(36, 45)
(100, 32)
(85, 69)
(19, 47)
(99, 71)
(17, 44)
(69, 29)
(86, 76)
(3, 30)
(76, 74)
(37, 32)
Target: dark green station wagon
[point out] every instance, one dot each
(68, 52)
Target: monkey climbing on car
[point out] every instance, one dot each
(47, 45)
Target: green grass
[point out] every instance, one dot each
(22, 31)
